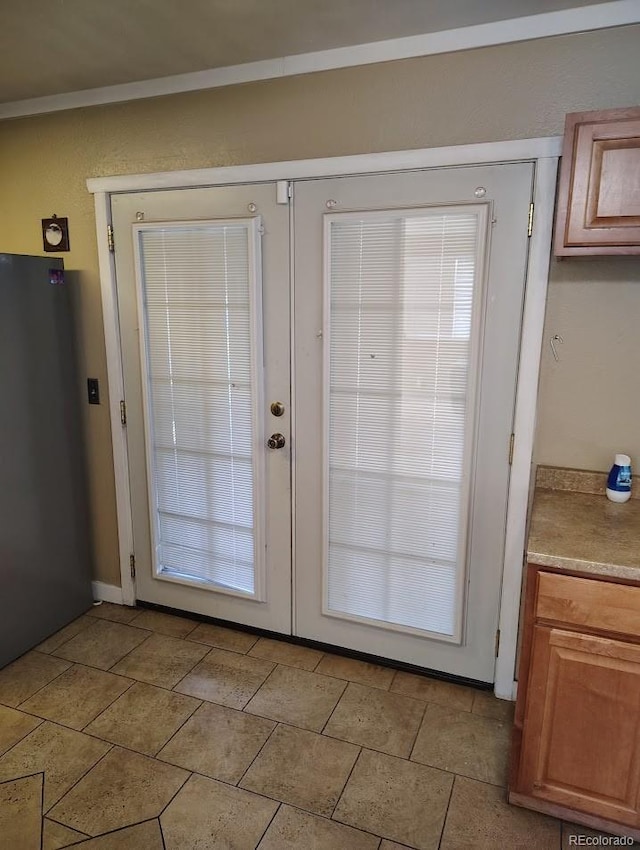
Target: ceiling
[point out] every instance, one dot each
(49, 47)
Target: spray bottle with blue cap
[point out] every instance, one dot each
(619, 480)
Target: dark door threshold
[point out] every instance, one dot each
(324, 647)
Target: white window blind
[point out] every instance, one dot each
(198, 292)
(403, 294)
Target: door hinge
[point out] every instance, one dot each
(132, 565)
(530, 222)
(497, 642)
(123, 412)
(512, 440)
(110, 241)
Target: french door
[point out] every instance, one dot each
(408, 303)
(203, 299)
(358, 498)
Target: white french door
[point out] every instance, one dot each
(407, 292)
(203, 296)
(408, 302)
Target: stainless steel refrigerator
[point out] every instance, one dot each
(45, 570)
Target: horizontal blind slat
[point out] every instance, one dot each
(196, 296)
(402, 291)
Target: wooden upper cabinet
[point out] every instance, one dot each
(599, 192)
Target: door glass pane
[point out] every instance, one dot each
(198, 291)
(402, 306)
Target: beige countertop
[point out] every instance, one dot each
(585, 532)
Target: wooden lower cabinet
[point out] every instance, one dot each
(576, 749)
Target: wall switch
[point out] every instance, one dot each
(93, 391)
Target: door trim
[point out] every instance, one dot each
(544, 152)
(483, 153)
(522, 471)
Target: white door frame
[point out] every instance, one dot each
(543, 152)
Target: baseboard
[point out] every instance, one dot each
(103, 592)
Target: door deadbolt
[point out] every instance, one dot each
(276, 441)
(277, 408)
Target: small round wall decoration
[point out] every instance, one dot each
(55, 234)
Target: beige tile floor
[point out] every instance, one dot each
(136, 730)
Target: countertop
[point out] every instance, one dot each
(585, 532)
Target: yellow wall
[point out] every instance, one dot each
(512, 91)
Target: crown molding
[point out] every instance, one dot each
(584, 19)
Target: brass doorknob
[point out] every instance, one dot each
(276, 441)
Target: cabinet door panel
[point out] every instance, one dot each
(598, 209)
(604, 207)
(582, 725)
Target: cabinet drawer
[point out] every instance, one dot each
(587, 602)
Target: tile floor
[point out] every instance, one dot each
(135, 730)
